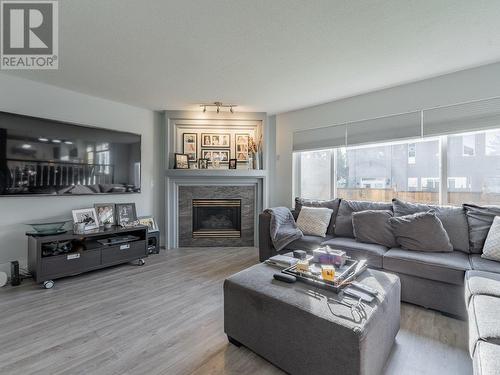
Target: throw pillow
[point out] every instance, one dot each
(314, 220)
(480, 219)
(422, 231)
(373, 226)
(331, 204)
(491, 249)
(453, 219)
(343, 222)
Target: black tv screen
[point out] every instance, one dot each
(41, 156)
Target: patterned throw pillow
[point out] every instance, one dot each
(314, 220)
(491, 249)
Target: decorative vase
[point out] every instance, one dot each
(256, 161)
(250, 161)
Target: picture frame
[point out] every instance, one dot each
(209, 154)
(181, 161)
(233, 163)
(88, 216)
(150, 222)
(241, 147)
(105, 213)
(190, 146)
(125, 214)
(218, 140)
(202, 163)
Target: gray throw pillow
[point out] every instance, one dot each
(491, 249)
(331, 204)
(480, 219)
(453, 219)
(343, 222)
(422, 231)
(373, 226)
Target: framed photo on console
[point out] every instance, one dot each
(215, 140)
(190, 145)
(241, 147)
(105, 213)
(150, 222)
(233, 163)
(88, 216)
(125, 213)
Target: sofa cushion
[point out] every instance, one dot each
(343, 223)
(331, 204)
(483, 320)
(372, 226)
(491, 248)
(453, 219)
(479, 219)
(371, 252)
(481, 264)
(480, 282)
(486, 359)
(307, 243)
(314, 220)
(422, 231)
(446, 267)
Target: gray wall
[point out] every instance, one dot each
(471, 84)
(36, 99)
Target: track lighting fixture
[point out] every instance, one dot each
(219, 106)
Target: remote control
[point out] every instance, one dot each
(284, 277)
(364, 288)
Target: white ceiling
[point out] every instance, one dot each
(265, 55)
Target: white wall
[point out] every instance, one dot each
(36, 99)
(471, 84)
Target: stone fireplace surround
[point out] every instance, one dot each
(184, 185)
(186, 196)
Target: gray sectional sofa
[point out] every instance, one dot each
(436, 280)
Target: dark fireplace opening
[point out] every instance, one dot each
(217, 218)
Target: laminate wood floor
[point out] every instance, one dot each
(167, 318)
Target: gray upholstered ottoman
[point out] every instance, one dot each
(303, 330)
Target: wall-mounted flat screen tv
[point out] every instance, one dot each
(41, 156)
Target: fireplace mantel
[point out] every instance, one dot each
(175, 178)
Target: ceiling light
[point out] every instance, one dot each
(68, 142)
(26, 146)
(41, 139)
(56, 141)
(219, 106)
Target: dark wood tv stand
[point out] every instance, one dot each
(67, 254)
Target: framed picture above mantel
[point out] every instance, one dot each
(215, 140)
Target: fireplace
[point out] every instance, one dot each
(217, 218)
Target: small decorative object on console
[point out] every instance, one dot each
(48, 228)
(302, 266)
(88, 216)
(202, 163)
(232, 163)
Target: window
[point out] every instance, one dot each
(382, 172)
(469, 145)
(315, 174)
(478, 174)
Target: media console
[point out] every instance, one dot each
(55, 256)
